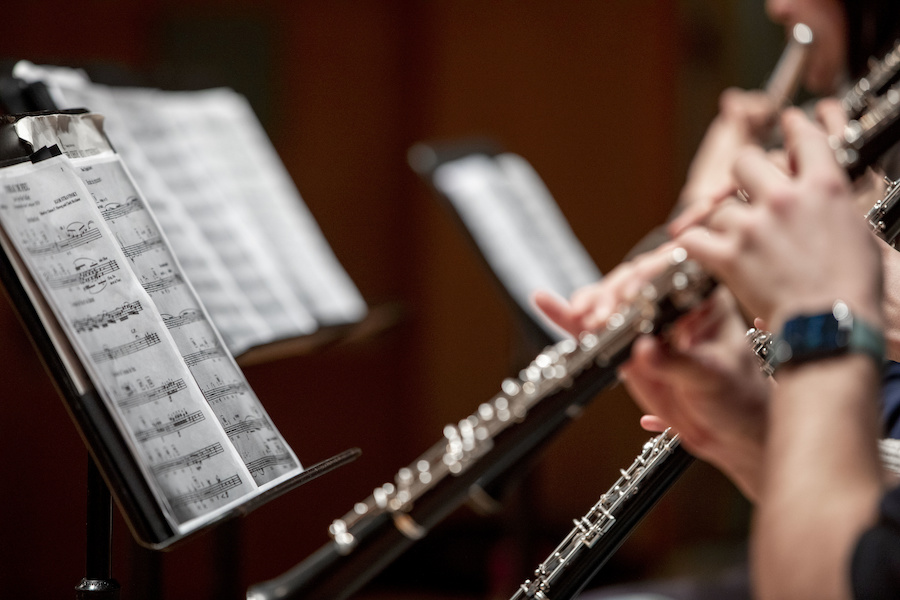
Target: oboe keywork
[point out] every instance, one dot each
(600, 532)
(478, 450)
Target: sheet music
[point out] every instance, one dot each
(543, 223)
(239, 322)
(273, 246)
(159, 130)
(237, 153)
(200, 434)
(518, 227)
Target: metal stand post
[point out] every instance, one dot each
(97, 583)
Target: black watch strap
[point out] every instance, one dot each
(812, 337)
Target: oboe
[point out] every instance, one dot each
(884, 216)
(584, 551)
(478, 450)
(600, 532)
(868, 136)
(882, 73)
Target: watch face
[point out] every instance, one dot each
(809, 337)
(813, 337)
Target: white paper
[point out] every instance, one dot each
(205, 154)
(518, 227)
(102, 261)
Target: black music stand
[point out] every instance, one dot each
(112, 470)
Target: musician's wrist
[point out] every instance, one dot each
(813, 336)
(863, 306)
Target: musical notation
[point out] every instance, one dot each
(166, 390)
(163, 283)
(210, 491)
(77, 234)
(107, 317)
(218, 393)
(106, 269)
(193, 459)
(195, 358)
(177, 422)
(247, 426)
(149, 339)
(135, 250)
(89, 275)
(185, 317)
(269, 460)
(113, 211)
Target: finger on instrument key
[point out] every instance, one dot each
(710, 248)
(807, 144)
(757, 174)
(726, 215)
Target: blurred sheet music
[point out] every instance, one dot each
(518, 227)
(236, 221)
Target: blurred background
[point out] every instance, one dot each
(606, 98)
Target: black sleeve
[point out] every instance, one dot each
(890, 399)
(875, 570)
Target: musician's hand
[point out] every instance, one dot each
(705, 383)
(800, 243)
(744, 118)
(591, 306)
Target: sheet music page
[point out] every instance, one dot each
(148, 123)
(518, 228)
(159, 131)
(542, 222)
(201, 435)
(236, 151)
(237, 320)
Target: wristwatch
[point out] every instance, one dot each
(811, 337)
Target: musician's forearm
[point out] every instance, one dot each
(822, 478)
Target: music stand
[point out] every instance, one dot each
(113, 471)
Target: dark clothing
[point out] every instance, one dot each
(890, 397)
(875, 572)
